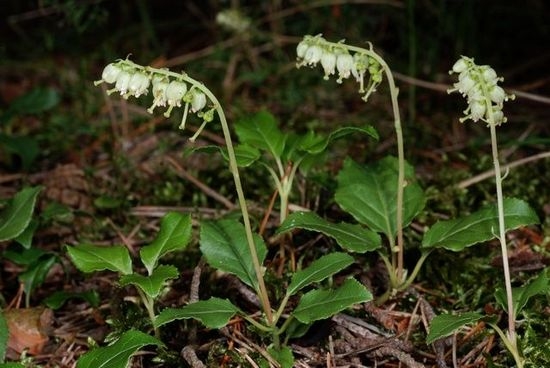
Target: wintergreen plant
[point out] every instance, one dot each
(367, 68)
(485, 98)
(227, 244)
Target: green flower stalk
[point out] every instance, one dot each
(479, 85)
(367, 68)
(171, 90)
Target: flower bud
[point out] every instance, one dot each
(198, 102)
(301, 49)
(460, 66)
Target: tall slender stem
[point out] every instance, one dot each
(262, 290)
(502, 237)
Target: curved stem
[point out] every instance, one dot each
(261, 288)
(394, 91)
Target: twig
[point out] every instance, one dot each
(180, 171)
(188, 353)
(491, 173)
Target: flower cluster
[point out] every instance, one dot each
(336, 57)
(168, 89)
(478, 83)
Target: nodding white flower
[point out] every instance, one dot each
(328, 62)
(313, 55)
(460, 66)
(160, 84)
(497, 95)
(198, 102)
(123, 81)
(175, 92)
(139, 84)
(344, 64)
(465, 84)
(110, 73)
(301, 49)
(490, 76)
(361, 63)
(498, 116)
(477, 110)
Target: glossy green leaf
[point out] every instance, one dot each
(319, 270)
(352, 237)
(153, 284)
(4, 337)
(90, 258)
(119, 353)
(521, 295)
(213, 313)
(261, 131)
(15, 218)
(174, 234)
(321, 304)
(25, 238)
(478, 227)
(314, 144)
(446, 324)
(369, 194)
(59, 298)
(36, 101)
(23, 257)
(12, 365)
(23, 146)
(223, 243)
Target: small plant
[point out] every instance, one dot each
(479, 85)
(227, 244)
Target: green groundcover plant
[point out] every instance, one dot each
(383, 197)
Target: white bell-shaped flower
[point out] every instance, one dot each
(198, 102)
(328, 62)
(110, 73)
(122, 82)
(139, 84)
(313, 55)
(460, 66)
(344, 64)
(175, 92)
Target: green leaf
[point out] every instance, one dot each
(151, 285)
(12, 365)
(119, 353)
(351, 237)
(319, 270)
(15, 218)
(478, 227)
(24, 257)
(224, 245)
(36, 101)
(174, 234)
(4, 337)
(369, 194)
(25, 238)
(445, 324)
(25, 147)
(283, 356)
(36, 273)
(213, 313)
(315, 144)
(321, 304)
(521, 295)
(261, 131)
(59, 298)
(90, 258)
